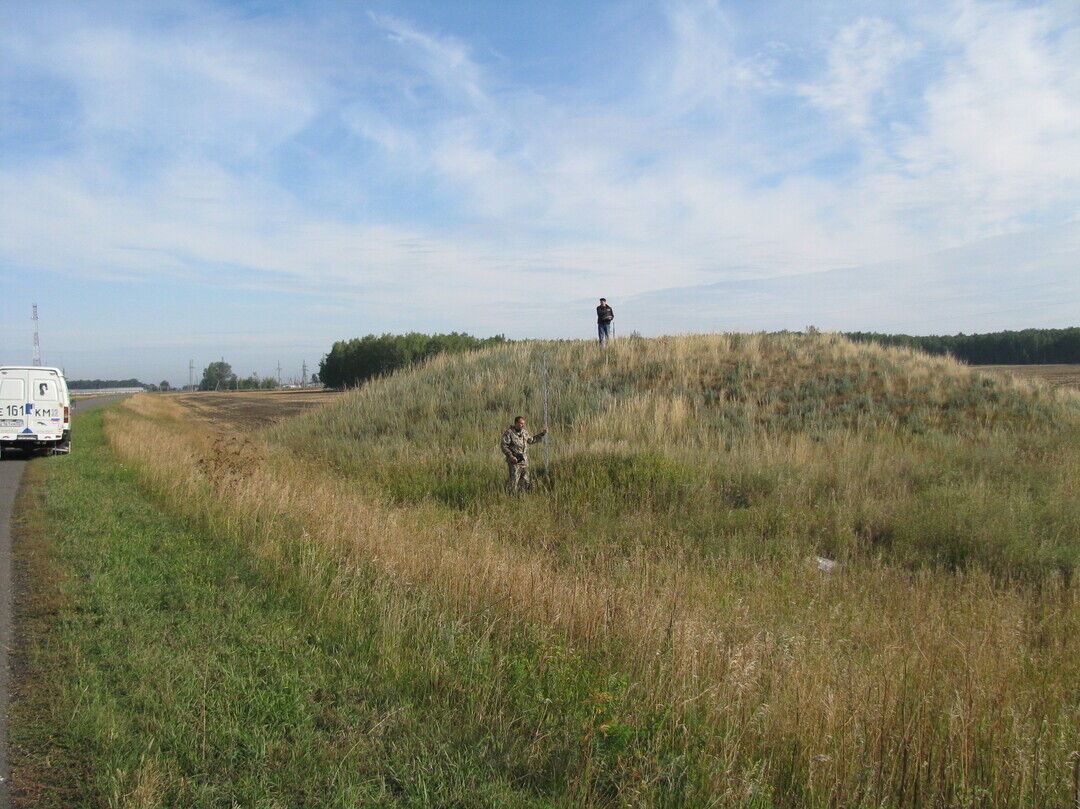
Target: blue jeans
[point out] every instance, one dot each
(603, 331)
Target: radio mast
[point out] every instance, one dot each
(37, 340)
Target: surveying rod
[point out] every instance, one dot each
(543, 391)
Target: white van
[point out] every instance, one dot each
(35, 409)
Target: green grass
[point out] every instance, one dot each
(169, 667)
(732, 445)
(349, 609)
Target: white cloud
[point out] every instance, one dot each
(377, 127)
(1002, 126)
(700, 67)
(142, 88)
(1007, 282)
(861, 61)
(683, 174)
(445, 60)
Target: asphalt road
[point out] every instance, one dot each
(11, 472)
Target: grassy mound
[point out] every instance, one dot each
(760, 446)
(645, 629)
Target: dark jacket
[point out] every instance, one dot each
(604, 314)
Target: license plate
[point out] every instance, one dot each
(25, 437)
(11, 423)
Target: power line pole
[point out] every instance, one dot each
(37, 340)
(191, 374)
(303, 375)
(279, 373)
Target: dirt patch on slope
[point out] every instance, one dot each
(252, 409)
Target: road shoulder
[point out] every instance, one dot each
(17, 477)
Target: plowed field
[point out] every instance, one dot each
(255, 408)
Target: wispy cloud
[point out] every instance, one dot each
(445, 60)
(386, 157)
(861, 60)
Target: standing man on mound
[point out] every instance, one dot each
(604, 315)
(515, 446)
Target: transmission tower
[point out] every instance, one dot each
(191, 374)
(279, 373)
(37, 340)
(303, 374)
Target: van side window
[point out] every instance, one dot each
(44, 390)
(12, 389)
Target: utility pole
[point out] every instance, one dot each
(191, 374)
(303, 375)
(37, 340)
(279, 373)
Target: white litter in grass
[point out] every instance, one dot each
(825, 565)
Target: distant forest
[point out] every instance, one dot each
(350, 362)
(95, 384)
(1027, 347)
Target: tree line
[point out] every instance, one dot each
(220, 376)
(1027, 347)
(351, 362)
(97, 384)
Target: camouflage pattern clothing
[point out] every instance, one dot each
(515, 446)
(518, 480)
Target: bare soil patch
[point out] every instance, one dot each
(253, 408)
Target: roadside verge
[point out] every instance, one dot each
(163, 666)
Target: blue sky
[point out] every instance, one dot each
(254, 180)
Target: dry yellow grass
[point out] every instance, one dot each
(880, 684)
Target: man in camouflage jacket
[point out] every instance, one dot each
(515, 446)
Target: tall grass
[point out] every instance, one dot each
(165, 667)
(665, 557)
(760, 446)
